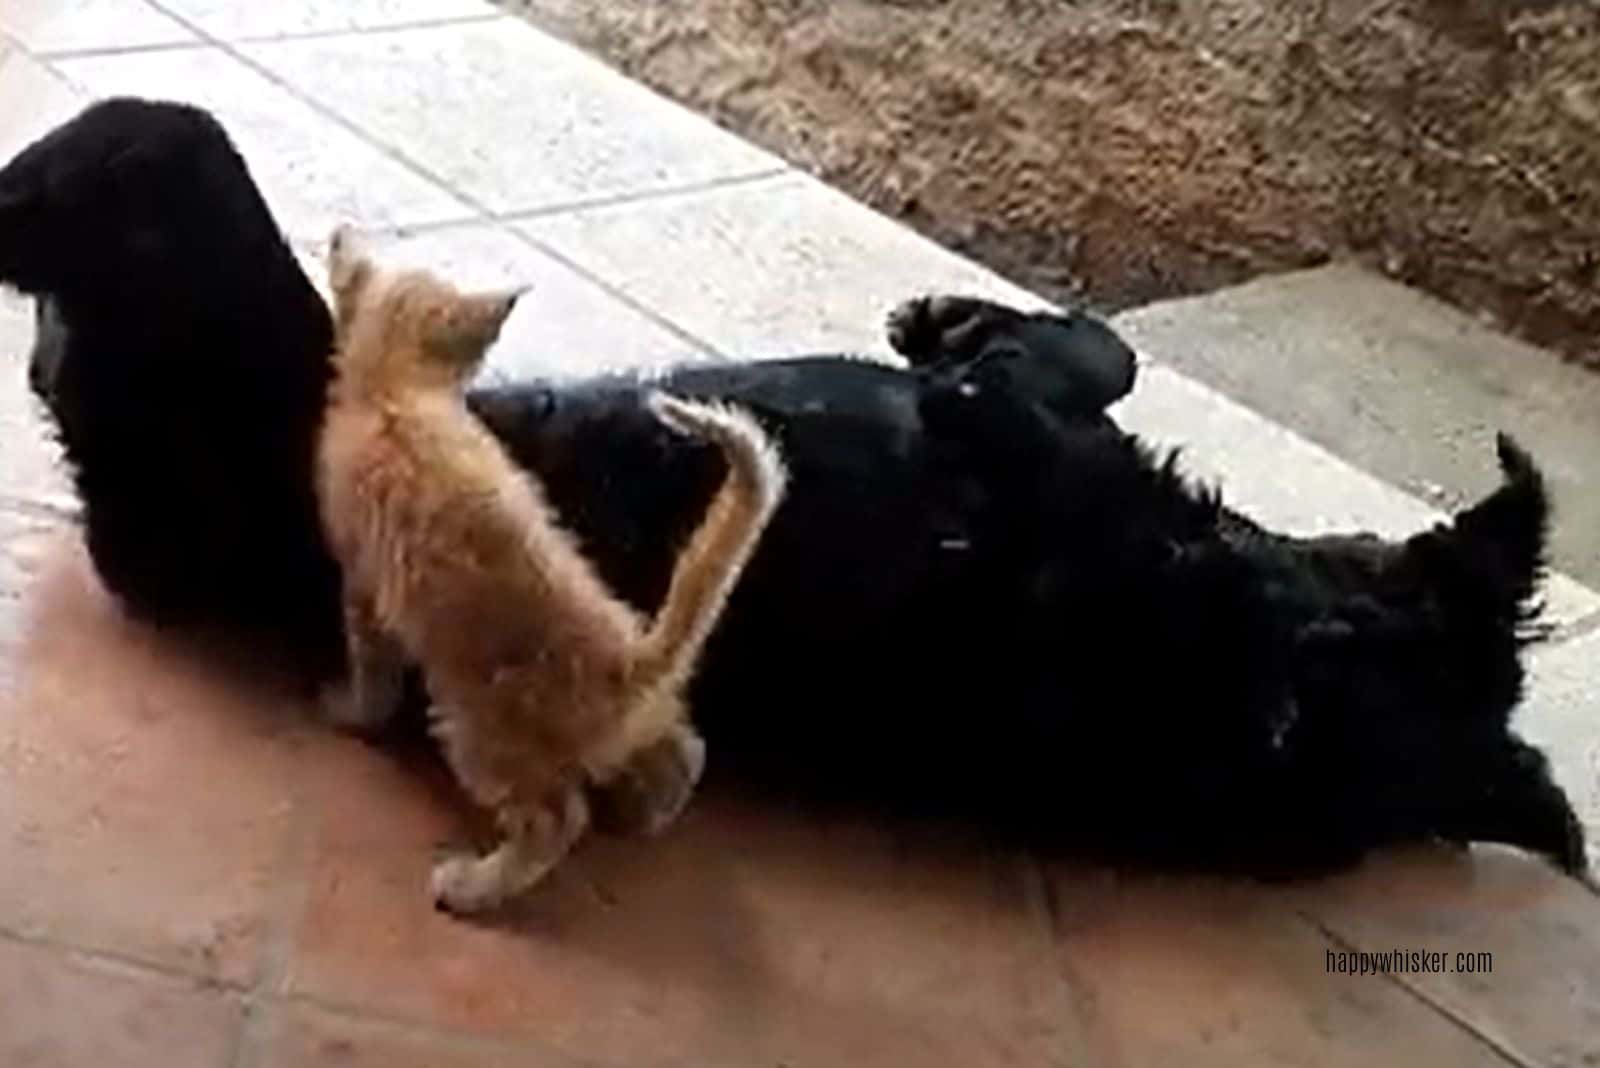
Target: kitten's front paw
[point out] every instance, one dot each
(464, 885)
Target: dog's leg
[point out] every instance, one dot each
(536, 838)
(652, 789)
(1516, 802)
(1015, 447)
(376, 686)
(1008, 435)
(947, 329)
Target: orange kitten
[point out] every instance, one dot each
(545, 684)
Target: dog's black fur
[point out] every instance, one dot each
(981, 598)
(156, 303)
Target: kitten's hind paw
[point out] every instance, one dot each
(465, 885)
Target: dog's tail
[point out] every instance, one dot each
(710, 565)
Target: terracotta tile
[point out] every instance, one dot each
(58, 1011)
(146, 796)
(302, 1036)
(1199, 972)
(28, 540)
(745, 936)
(1542, 994)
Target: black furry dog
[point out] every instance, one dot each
(981, 600)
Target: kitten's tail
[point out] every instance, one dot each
(710, 565)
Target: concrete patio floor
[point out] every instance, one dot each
(193, 873)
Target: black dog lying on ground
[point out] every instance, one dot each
(982, 600)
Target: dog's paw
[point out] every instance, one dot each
(910, 331)
(942, 328)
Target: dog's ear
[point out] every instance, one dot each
(19, 218)
(10, 238)
(473, 323)
(349, 269)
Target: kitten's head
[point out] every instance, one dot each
(408, 327)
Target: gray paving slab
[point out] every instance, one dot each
(1400, 384)
(770, 268)
(232, 21)
(46, 26)
(312, 170)
(510, 117)
(33, 99)
(565, 326)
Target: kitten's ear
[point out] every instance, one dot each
(475, 322)
(349, 270)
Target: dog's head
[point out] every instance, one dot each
(139, 223)
(125, 203)
(408, 328)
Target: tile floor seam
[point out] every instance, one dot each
(617, 292)
(150, 969)
(405, 230)
(11, 39)
(362, 31)
(341, 1009)
(1499, 1046)
(395, 155)
(284, 919)
(646, 196)
(1045, 907)
(50, 55)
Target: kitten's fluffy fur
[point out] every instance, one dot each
(545, 684)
